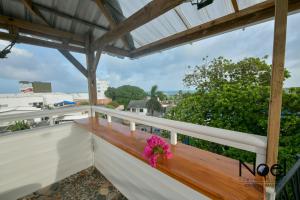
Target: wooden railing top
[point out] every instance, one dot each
(210, 174)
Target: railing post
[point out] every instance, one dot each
(108, 119)
(173, 138)
(260, 159)
(91, 112)
(51, 119)
(132, 126)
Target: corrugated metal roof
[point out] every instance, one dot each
(181, 18)
(83, 9)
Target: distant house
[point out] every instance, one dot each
(138, 106)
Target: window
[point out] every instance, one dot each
(133, 110)
(141, 110)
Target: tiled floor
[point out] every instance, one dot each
(86, 185)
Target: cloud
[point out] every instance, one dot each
(15, 51)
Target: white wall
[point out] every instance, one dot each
(102, 86)
(136, 179)
(36, 158)
(23, 100)
(19, 101)
(33, 159)
(137, 111)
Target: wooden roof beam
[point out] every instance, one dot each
(47, 32)
(235, 5)
(65, 53)
(111, 20)
(74, 61)
(39, 28)
(39, 42)
(34, 11)
(149, 12)
(245, 17)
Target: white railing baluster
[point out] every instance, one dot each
(260, 159)
(173, 138)
(132, 126)
(51, 120)
(108, 118)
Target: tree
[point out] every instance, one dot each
(111, 93)
(161, 96)
(213, 74)
(123, 94)
(153, 104)
(237, 99)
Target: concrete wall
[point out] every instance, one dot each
(136, 179)
(33, 159)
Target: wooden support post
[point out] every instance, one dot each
(281, 11)
(91, 67)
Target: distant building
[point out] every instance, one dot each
(34, 87)
(102, 86)
(138, 106)
(12, 101)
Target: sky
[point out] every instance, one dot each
(165, 69)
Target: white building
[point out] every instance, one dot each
(138, 106)
(102, 86)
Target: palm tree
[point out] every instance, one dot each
(153, 104)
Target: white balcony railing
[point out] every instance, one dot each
(25, 166)
(244, 141)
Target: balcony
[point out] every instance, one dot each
(36, 158)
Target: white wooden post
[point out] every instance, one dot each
(260, 159)
(91, 113)
(109, 119)
(51, 119)
(132, 126)
(173, 138)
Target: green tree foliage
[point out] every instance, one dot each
(112, 105)
(18, 126)
(153, 104)
(123, 94)
(214, 74)
(235, 96)
(161, 96)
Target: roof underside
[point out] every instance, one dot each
(181, 18)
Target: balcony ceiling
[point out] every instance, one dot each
(82, 16)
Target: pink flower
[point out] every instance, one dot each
(155, 147)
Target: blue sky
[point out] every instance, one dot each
(166, 69)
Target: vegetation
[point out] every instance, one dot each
(18, 126)
(123, 94)
(112, 105)
(235, 96)
(153, 103)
